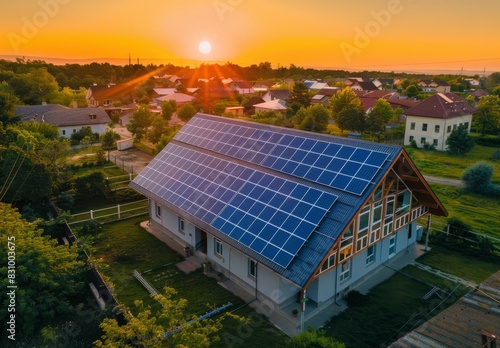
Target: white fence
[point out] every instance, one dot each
(118, 212)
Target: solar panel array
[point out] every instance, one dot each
(343, 167)
(271, 215)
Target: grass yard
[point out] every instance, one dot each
(394, 308)
(465, 266)
(125, 246)
(481, 213)
(441, 164)
(106, 211)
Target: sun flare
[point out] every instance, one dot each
(205, 47)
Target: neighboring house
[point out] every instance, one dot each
(382, 94)
(33, 112)
(179, 98)
(249, 105)
(323, 96)
(473, 321)
(479, 93)
(473, 82)
(384, 83)
(68, 121)
(432, 120)
(240, 86)
(315, 85)
(283, 94)
(263, 86)
(363, 86)
(434, 86)
(235, 110)
(350, 80)
(107, 95)
(275, 105)
(295, 218)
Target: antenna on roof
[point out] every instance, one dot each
(129, 60)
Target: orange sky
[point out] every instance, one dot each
(357, 34)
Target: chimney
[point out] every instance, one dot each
(75, 104)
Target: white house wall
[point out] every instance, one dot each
(170, 221)
(430, 133)
(66, 131)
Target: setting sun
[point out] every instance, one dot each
(205, 47)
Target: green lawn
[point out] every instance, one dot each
(481, 213)
(394, 308)
(466, 266)
(105, 211)
(441, 164)
(125, 246)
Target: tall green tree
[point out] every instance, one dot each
(34, 87)
(186, 112)
(300, 95)
(8, 102)
(352, 117)
(47, 274)
(147, 330)
(140, 121)
(168, 108)
(158, 127)
(313, 118)
(412, 91)
(109, 138)
(346, 98)
(380, 114)
(459, 141)
(488, 117)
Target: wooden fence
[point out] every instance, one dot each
(115, 213)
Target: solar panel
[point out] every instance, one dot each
(310, 159)
(259, 210)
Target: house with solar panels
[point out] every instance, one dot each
(290, 216)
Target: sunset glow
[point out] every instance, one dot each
(364, 34)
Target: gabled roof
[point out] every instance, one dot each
(328, 91)
(275, 104)
(74, 117)
(479, 93)
(178, 97)
(164, 91)
(254, 100)
(366, 85)
(283, 94)
(242, 84)
(442, 105)
(28, 112)
(226, 176)
(381, 94)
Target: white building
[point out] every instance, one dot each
(295, 218)
(432, 120)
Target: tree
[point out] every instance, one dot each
(477, 179)
(186, 112)
(84, 132)
(140, 121)
(346, 98)
(493, 80)
(313, 118)
(109, 138)
(460, 142)
(352, 117)
(313, 339)
(147, 330)
(158, 127)
(166, 137)
(300, 95)
(488, 117)
(34, 87)
(379, 116)
(412, 91)
(47, 274)
(168, 108)
(8, 102)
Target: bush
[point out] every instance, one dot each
(477, 179)
(93, 183)
(413, 144)
(91, 227)
(126, 194)
(460, 232)
(356, 299)
(488, 141)
(66, 200)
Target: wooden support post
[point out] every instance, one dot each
(429, 217)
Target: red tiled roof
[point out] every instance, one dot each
(379, 94)
(442, 105)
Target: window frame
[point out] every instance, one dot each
(370, 255)
(252, 268)
(424, 127)
(345, 270)
(218, 247)
(158, 210)
(181, 225)
(392, 245)
(412, 126)
(437, 128)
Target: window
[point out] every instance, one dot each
(364, 218)
(466, 125)
(180, 225)
(448, 130)
(403, 203)
(389, 208)
(345, 271)
(437, 128)
(392, 246)
(63, 132)
(346, 244)
(377, 214)
(217, 247)
(411, 138)
(424, 127)
(329, 263)
(362, 240)
(157, 210)
(454, 126)
(434, 142)
(252, 268)
(422, 140)
(74, 130)
(412, 126)
(370, 254)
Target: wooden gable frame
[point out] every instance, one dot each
(405, 170)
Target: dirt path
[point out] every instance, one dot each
(444, 181)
